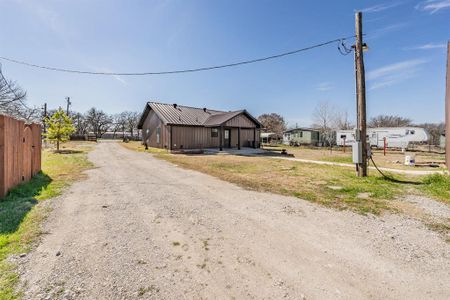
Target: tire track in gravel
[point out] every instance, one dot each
(141, 228)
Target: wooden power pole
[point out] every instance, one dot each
(447, 111)
(361, 131)
(68, 105)
(44, 122)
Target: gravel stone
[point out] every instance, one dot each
(260, 245)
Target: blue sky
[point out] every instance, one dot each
(405, 64)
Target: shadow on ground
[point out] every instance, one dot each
(68, 151)
(19, 201)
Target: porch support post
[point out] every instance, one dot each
(221, 138)
(171, 138)
(239, 138)
(254, 137)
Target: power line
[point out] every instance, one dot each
(12, 91)
(245, 62)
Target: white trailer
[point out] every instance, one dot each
(396, 137)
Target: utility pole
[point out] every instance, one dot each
(361, 135)
(68, 104)
(45, 118)
(447, 110)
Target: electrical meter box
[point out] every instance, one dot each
(357, 152)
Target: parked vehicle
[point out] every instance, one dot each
(395, 137)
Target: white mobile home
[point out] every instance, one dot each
(396, 137)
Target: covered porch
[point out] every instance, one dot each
(237, 137)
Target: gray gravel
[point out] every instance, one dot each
(141, 228)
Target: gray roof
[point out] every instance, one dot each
(301, 129)
(221, 118)
(173, 114)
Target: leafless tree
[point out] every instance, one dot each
(435, 130)
(388, 121)
(132, 119)
(98, 121)
(119, 124)
(22, 112)
(273, 122)
(12, 101)
(324, 120)
(341, 121)
(10, 92)
(80, 123)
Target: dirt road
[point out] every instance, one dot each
(139, 227)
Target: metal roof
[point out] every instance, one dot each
(301, 129)
(173, 114)
(221, 118)
(182, 115)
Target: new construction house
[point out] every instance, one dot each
(176, 127)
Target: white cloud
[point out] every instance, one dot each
(433, 6)
(107, 70)
(428, 46)
(120, 79)
(380, 7)
(393, 73)
(385, 30)
(324, 86)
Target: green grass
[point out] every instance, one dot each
(339, 159)
(438, 186)
(20, 214)
(331, 186)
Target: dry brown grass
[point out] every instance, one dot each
(328, 185)
(393, 159)
(331, 186)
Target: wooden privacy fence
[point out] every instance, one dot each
(20, 152)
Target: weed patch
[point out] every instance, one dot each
(20, 214)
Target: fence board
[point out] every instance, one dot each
(20, 152)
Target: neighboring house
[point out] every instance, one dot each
(175, 127)
(268, 137)
(396, 137)
(301, 136)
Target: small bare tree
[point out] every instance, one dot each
(80, 122)
(99, 122)
(324, 120)
(341, 121)
(12, 101)
(131, 119)
(10, 92)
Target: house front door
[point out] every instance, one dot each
(227, 138)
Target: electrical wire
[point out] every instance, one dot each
(392, 178)
(343, 49)
(376, 167)
(12, 91)
(208, 68)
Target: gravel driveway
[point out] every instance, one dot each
(142, 228)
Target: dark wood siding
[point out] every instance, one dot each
(248, 136)
(150, 132)
(193, 137)
(240, 121)
(196, 137)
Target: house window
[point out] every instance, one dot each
(158, 135)
(214, 132)
(301, 134)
